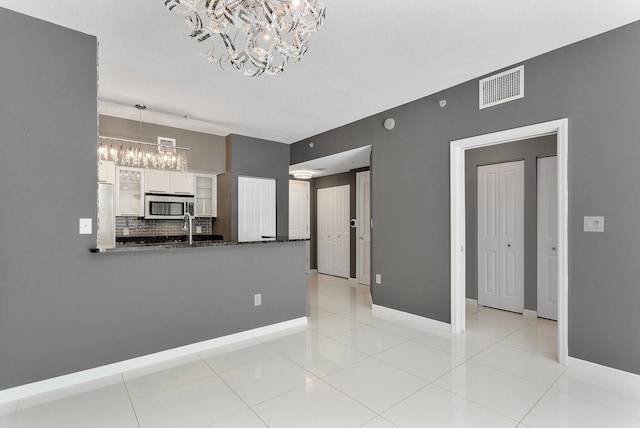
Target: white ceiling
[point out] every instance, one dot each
(370, 56)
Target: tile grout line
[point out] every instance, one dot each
(133, 407)
(249, 407)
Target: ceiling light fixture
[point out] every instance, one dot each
(252, 36)
(161, 155)
(302, 175)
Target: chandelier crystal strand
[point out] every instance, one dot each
(253, 37)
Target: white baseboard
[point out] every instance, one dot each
(312, 272)
(73, 379)
(408, 319)
(606, 374)
(354, 280)
(529, 314)
(472, 302)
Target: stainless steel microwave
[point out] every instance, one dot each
(167, 206)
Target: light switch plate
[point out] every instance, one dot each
(593, 224)
(85, 226)
(378, 278)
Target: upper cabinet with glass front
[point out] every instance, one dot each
(206, 194)
(129, 191)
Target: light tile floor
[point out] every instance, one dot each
(350, 369)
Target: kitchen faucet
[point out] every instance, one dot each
(188, 216)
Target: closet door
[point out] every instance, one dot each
(501, 236)
(548, 238)
(342, 231)
(333, 231)
(325, 202)
(512, 236)
(488, 235)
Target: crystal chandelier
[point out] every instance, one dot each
(141, 154)
(252, 36)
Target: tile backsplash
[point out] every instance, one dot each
(141, 227)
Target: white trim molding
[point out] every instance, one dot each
(607, 376)
(560, 128)
(410, 320)
(529, 313)
(73, 379)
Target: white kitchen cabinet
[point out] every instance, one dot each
(256, 209)
(169, 182)
(130, 191)
(106, 172)
(181, 183)
(157, 181)
(206, 194)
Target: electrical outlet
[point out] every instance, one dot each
(125, 231)
(257, 299)
(85, 226)
(198, 229)
(378, 278)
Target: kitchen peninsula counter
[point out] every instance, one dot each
(134, 246)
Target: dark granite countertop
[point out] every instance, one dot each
(151, 246)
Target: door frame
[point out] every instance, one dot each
(560, 128)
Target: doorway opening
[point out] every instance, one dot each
(559, 128)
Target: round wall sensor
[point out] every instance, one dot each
(389, 124)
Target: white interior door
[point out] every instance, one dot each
(512, 236)
(488, 235)
(333, 230)
(342, 231)
(363, 196)
(547, 238)
(501, 236)
(299, 220)
(298, 209)
(325, 218)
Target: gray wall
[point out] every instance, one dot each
(528, 151)
(593, 83)
(207, 152)
(253, 157)
(63, 309)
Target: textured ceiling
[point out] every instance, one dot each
(369, 56)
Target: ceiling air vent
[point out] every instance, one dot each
(502, 87)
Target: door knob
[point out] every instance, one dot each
(509, 245)
(553, 248)
(362, 237)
